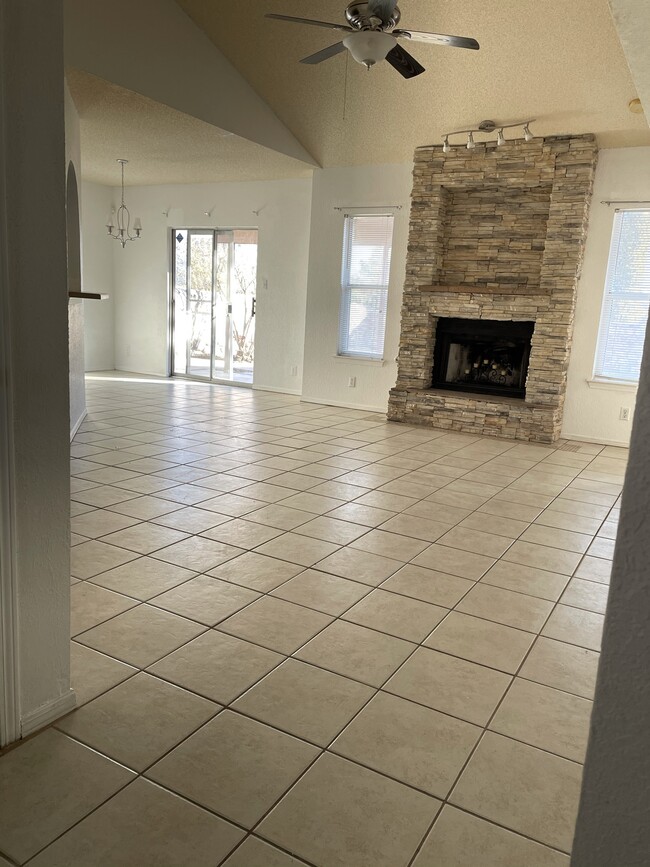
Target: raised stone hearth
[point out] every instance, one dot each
(495, 234)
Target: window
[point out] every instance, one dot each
(627, 298)
(367, 242)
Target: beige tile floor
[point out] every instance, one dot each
(304, 636)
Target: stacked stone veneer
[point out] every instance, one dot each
(495, 233)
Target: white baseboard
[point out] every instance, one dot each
(360, 406)
(599, 442)
(277, 390)
(78, 424)
(47, 713)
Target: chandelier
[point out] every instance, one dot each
(488, 126)
(120, 229)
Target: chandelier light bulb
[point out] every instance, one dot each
(446, 147)
(471, 144)
(500, 138)
(528, 136)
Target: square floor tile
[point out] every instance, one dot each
(256, 571)
(205, 599)
(282, 517)
(494, 524)
(94, 557)
(141, 636)
(543, 557)
(92, 673)
(305, 701)
(191, 519)
(451, 685)
(297, 549)
(476, 541)
(575, 626)
(567, 540)
(198, 554)
(504, 606)
(428, 585)
(592, 569)
(463, 840)
(526, 579)
(99, 522)
(251, 766)
(367, 516)
(522, 788)
(332, 530)
(563, 666)
(275, 624)
(143, 578)
(327, 593)
(356, 652)
(146, 508)
(48, 784)
(257, 852)
(90, 605)
(453, 561)
(418, 528)
(390, 545)
(138, 721)
(340, 814)
(397, 615)
(145, 538)
(242, 533)
(408, 742)
(586, 594)
(481, 641)
(217, 666)
(144, 824)
(359, 566)
(546, 718)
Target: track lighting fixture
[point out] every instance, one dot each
(488, 127)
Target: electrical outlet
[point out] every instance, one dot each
(352, 382)
(624, 413)
(294, 370)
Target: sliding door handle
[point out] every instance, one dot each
(253, 308)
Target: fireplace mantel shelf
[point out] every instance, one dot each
(472, 289)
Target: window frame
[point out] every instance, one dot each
(599, 374)
(346, 287)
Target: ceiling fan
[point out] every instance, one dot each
(372, 37)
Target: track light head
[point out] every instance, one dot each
(446, 147)
(528, 136)
(471, 144)
(500, 138)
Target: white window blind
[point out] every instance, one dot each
(627, 298)
(367, 243)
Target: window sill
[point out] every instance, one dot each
(612, 384)
(359, 359)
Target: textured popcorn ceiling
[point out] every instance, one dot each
(162, 145)
(555, 60)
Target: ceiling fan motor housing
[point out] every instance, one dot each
(377, 15)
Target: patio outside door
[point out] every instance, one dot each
(213, 304)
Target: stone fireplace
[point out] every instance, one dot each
(495, 248)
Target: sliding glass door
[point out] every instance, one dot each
(213, 303)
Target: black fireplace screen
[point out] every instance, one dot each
(482, 356)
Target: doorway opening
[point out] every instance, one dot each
(214, 281)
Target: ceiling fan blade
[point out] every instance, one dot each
(437, 39)
(403, 62)
(327, 24)
(324, 54)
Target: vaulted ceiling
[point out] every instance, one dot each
(560, 62)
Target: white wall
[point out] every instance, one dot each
(592, 411)
(98, 256)
(141, 271)
(326, 375)
(35, 532)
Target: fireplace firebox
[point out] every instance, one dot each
(482, 356)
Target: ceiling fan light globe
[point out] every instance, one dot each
(369, 46)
